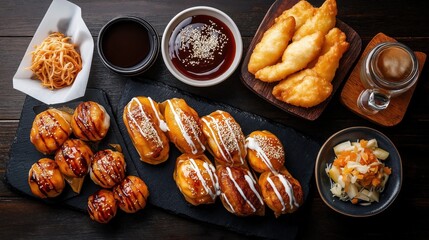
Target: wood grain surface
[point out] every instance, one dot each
(407, 217)
(398, 106)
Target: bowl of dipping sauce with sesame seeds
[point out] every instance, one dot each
(201, 46)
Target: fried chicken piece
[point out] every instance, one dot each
(312, 86)
(303, 89)
(301, 11)
(296, 57)
(332, 51)
(323, 20)
(272, 45)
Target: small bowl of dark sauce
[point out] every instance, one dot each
(201, 46)
(128, 45)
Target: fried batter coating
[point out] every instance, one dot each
(296, 57)
(303, 89)
(302, 11)
(332, 51)
(323, 20)
(312, 86)
(272, 45)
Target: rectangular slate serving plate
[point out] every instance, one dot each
(263, 89)
(23, 154)
(300, 159)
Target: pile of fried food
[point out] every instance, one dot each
(301, 51)
(69, 159)
(152, 126)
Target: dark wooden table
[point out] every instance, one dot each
(407, 21)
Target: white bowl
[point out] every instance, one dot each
(209, 11)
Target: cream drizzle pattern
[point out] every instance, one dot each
(148, 131)
(185, 134)
(252, 144)
(250, 181)
(162, 124)
(208, 190)
(288, 188)
(219, 128)
(233, 130)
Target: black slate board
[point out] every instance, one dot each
(23, 154)
(300, 159)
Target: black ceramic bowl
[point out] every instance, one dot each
(128, 45)
(326, 155)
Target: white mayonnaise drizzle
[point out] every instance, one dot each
(149, 132)
(162, 124)
(239, 189)
(252, 144)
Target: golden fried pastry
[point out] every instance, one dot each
(296, 57)
(90, 121)
(196, 179)
(303, 89)
(184, 127)
(323, 20)
(301, 11)
(107, 168)
(225, 139)
(272, 45)
(312, 86)
(74, 160)
(45, 179)
(333, 49)
(51, 128)
(146, 128)
(102, 206)
(265, 152)
(131, 194)
(282, 193)
(240, 194)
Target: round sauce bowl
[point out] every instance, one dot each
(128, 45)
(201, 46)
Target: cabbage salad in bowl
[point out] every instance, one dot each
(358, 173)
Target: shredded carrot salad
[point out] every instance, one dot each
(357, 173)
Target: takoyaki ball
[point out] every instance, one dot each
(45, 179)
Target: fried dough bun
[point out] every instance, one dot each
(90, 121)
(107, 168)
(102, 206)
(265, 152)
(184, 127)
(272, 45)
(146, 128)
(45, 179)
(281, 192)
(195, 176)
(131, 194)
(74, 160)
(226, 141)
(240, 194)
(50, 129)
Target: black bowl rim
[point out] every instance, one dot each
(147, 62)
(400, 172)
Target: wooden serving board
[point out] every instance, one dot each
(264, 89)
(397, 108)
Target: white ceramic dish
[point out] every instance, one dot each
(65, 17)
(209, 11)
